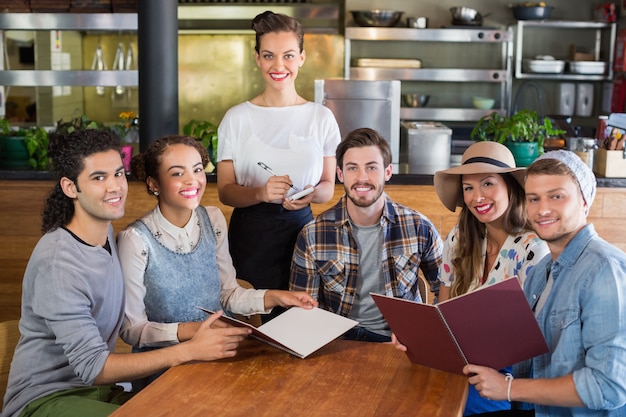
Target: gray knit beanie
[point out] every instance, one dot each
(584, 175)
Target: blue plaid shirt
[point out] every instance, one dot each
(326, 258)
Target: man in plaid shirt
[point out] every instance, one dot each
(365, 243)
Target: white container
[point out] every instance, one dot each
(588, 67)
(566, 99)
(428, 146)
(584, 99)
(543, 66)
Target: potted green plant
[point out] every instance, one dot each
(127, 131)
(77, 123)
(521, 132)
(23, 148)
(205, 132)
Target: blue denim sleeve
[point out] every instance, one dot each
(601, 383)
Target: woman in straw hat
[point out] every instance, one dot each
(492, 240)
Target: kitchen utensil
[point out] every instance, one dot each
(417, 22)
(462, 13)
(130, 57)
(415, 100)
(428, 146)
(521, 12)
(98, 64)
(587, 67)
(483, 103)
(376, 17)
(118, 64)
(544, 66)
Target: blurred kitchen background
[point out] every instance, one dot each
(217, 68)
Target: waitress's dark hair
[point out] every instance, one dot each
(67, 152)
(268, 22)
(146, 164)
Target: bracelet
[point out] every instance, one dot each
(508, 377)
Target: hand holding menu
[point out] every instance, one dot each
(298, 331)
(493, 326)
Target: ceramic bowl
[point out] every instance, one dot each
(483, 103)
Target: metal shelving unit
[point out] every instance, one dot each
(604, 41)
(503, 38)
(91, 22)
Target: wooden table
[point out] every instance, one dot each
(344, 378)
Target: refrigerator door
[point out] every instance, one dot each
(364, 103)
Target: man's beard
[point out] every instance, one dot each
(363, 201)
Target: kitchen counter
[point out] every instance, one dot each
(396, 179)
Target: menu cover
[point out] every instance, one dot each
(492, 326)
(298, 331)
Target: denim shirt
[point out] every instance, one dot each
(584, 323)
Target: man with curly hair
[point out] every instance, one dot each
(73, 295)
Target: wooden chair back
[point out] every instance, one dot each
(9, 335)
(424, 288)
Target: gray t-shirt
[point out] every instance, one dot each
(72, 310)
(371, 279)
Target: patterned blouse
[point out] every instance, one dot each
(518, 255)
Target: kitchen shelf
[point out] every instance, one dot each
(39, 78)
(432, 74)
(433, 113)
(89, 22)
(500, 76)
(604, 40)
(319, 17)
(69, 21)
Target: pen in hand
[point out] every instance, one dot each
(268, 169)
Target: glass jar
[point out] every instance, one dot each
(585, 150)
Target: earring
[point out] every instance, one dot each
(156, 193)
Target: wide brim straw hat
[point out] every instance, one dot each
(483, 157)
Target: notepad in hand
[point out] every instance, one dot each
(298, 331)
(493, 326)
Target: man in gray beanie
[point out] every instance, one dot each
(578, 294)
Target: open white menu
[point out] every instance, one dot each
(298, 331)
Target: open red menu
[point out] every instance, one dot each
(493, 326)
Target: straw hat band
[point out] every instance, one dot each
(483, 159)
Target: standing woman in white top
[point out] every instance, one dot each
(175, 258)
(295, 138)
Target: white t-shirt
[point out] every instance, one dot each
(291, 140)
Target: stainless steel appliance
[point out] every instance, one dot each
(364, 103)
(428, 146)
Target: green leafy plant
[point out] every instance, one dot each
(35, 140)
(205, 132)
(78, 123)
(523, 126)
